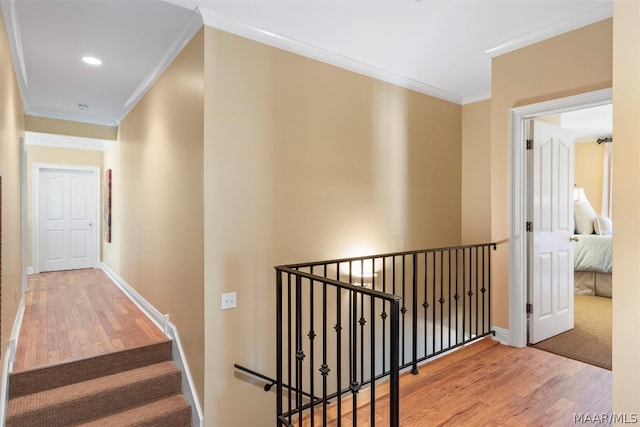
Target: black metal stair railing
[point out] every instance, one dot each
(336, 366)
(343, 325)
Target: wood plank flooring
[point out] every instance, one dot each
(76, 314)
(489, 384)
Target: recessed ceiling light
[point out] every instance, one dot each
(91, 60)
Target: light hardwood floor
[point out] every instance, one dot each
(76, 314)
(489, 384)
(81, 313)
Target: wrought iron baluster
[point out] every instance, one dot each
(403, 310)
(279, 343)
(290, 349)
(477, 296)
(338, 329)
(383, 316)
(311, 335)
(483, 290)
(470, 292)
(489, 286)
(425, 304)
(362, 321)
(441, 300)
(324, 368)
(449, 296)
(414, 311)
(433, 299)
(353, 347)
(372, 367)
(457, 297)
(299, 352)
(394, 376)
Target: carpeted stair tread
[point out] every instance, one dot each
(53, 376)
(170, 411)
(93, 398)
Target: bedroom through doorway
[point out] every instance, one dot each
(589, 339)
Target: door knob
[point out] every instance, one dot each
(574, 238)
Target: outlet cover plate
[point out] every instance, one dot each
(228, 301)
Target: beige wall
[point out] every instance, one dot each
(305, 161)
(570, 64)
(60, 156)
(11, 130)
(589, 163)
(65, 127)
(476, 172)
(158, 200)
(626, 212)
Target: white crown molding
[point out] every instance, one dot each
(80, 118)
(596, 14)
(472, 99)
(218, 21)
(191, 28)
(64, 141)
(15, 45)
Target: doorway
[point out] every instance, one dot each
(519, 251)
(66, 206)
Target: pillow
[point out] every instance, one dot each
(602, 225)
(584, 216)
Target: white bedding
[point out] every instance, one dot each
(593, 253)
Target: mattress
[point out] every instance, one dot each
(593, 252)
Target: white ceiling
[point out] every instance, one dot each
(442, 48)
(589, 124)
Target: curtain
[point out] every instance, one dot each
(607, 176)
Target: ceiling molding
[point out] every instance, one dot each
(15, 45)
(190, 30)
(218, 21)
(81, 118)
(586, 18)
(472, 99)
(64, 141)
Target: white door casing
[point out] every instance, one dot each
(66, 209)
(551, 247)
(516, 335)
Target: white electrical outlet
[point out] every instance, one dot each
(228, 301)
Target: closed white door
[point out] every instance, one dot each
(67, 219)
(551, 261)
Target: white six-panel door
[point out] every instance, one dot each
(551, 262)
(67, 219)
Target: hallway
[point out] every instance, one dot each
(77, 314)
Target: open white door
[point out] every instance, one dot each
(67, 219)
(551, 254)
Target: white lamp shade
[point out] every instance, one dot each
(579, 196)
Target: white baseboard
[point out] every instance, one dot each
(29, 270)
(502, 335)
(9, 358)
(179, 358)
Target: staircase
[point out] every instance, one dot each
(139, 386)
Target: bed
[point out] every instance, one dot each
(592, 252)
(592, 265)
